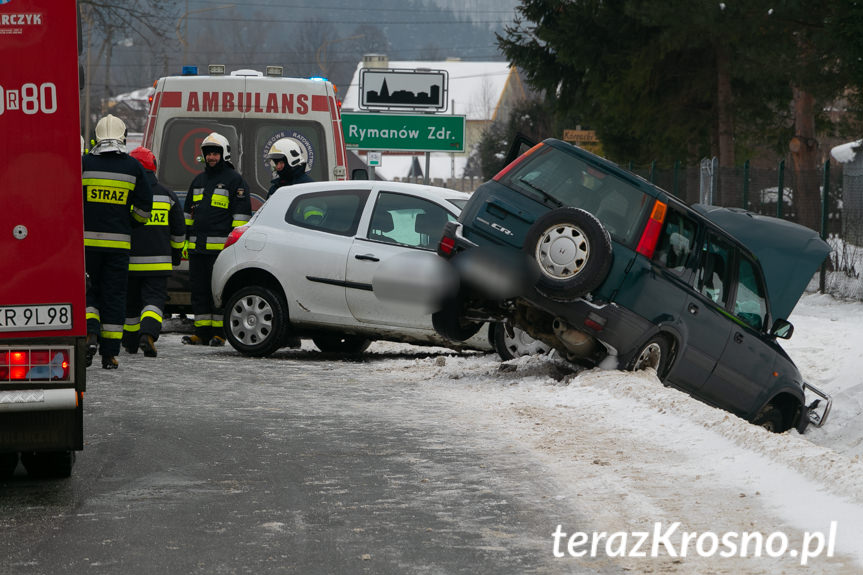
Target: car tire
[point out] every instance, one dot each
(771, 419)
(448, 321)
(48, 464)
(350, 344)
(572, 252)
(655, 353)
(256, 319)
(516, 345)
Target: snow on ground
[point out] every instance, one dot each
(629, 452)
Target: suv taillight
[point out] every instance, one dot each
(235, 235)
(650, 235)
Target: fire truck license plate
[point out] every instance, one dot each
(35, 317)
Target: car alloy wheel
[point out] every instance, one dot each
(255, 321)
(515, 344)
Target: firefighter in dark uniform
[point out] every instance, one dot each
(289, 160)
(156, 247)
(217, 202)
(117, 197)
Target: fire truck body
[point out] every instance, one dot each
(42, 295)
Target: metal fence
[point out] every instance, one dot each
(837, 216)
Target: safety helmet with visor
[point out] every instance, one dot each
(289, 151)
(145, 156)
(111, 127)
(218, 143)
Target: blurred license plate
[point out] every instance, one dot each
(35, 317)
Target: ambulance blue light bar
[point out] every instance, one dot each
(190, 70)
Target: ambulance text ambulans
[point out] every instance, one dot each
(252, 109)
(42, 295)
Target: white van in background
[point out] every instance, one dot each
(252, 110)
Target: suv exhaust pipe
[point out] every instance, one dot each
(576, 342)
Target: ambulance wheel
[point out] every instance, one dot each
(256, 318)
(48, 464)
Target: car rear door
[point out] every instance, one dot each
(399, 225)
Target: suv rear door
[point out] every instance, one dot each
(705, 326)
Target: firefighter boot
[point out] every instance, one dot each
(109, 362)
(148, 346)
(217, 341)
(192, 340)
(92, 347)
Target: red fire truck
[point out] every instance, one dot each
(42, 295)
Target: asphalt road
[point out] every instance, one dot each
(203, 461)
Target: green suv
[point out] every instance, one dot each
(612, 271)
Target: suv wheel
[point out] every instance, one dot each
(350, 344)
(770, 418)
(255, 321)
(572, 252)
(655, 353)
(516, 344)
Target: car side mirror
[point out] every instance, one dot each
(359, 174)
(782, 329)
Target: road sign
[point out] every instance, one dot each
(404, 132)
(373, 158)
(403, 89)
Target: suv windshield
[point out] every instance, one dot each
(557, 178)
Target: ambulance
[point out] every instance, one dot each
(252, 109)
(42, 295)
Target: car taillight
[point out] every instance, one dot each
(446, 246)
(516, 162)
(650, 235)
(235, 235)
(35, 364)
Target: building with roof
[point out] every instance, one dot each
(483, 92)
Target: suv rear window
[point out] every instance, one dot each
(551, 174)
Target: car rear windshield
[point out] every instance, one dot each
(557, 178)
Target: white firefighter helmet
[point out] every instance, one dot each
(111, 128)
(216, 140)
(293, 153)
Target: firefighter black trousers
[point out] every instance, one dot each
(208, 318)
(106, 297)
(145, 302)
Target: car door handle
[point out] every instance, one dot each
(738, 337)
(693, 309)
(367, 257)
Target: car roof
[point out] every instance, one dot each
(419, 190)
(789, 253)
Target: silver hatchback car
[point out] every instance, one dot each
(310, 264)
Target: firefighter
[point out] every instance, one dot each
(289, 160)
(156, 247)
(217, 202)
(117, 198)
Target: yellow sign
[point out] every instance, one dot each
(580, 136)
